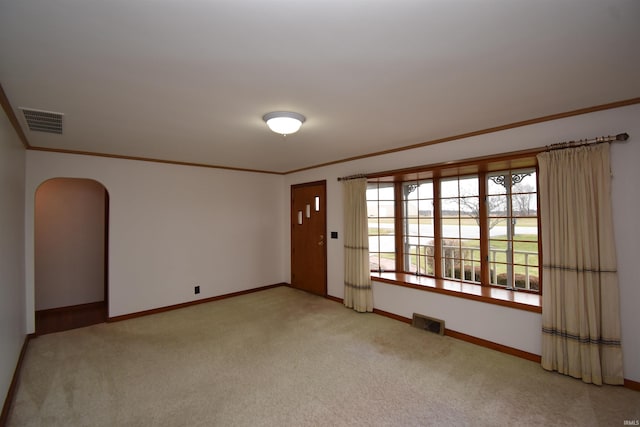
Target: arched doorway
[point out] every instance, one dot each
(71, 239)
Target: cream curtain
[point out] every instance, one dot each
(580, 297)
(357, 279)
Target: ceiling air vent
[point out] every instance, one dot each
(43, 121)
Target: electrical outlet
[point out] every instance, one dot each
(196, 290)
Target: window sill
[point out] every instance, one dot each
(487, 294)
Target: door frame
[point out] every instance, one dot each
(76, 315)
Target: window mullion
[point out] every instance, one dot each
(484, 230)
(510, 231)
(437, 228)
(399, 230)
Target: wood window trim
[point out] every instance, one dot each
(485, 292)
(399, 237)
(520, 300)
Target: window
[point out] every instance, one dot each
(513, 229)
(418, 227)
(477, 224)
(381, 212)
(460, 219)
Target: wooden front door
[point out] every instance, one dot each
(308, 237)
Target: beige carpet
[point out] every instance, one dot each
(282, 357)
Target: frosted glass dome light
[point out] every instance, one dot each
(284, 122)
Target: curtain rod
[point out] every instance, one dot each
(346, 178)
(570, 144)
(559, 146)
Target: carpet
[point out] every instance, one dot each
(282, 357)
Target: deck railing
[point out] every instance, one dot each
(468, 263)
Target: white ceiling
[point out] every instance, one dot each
(189, 80)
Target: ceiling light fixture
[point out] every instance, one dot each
(284, 122)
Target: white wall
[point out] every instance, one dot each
(510, 327)
(12, 307)
(173, 227)
(69, 243)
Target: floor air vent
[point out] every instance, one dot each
(43, 121)
(428, 323)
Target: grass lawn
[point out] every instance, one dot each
(522, 222)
